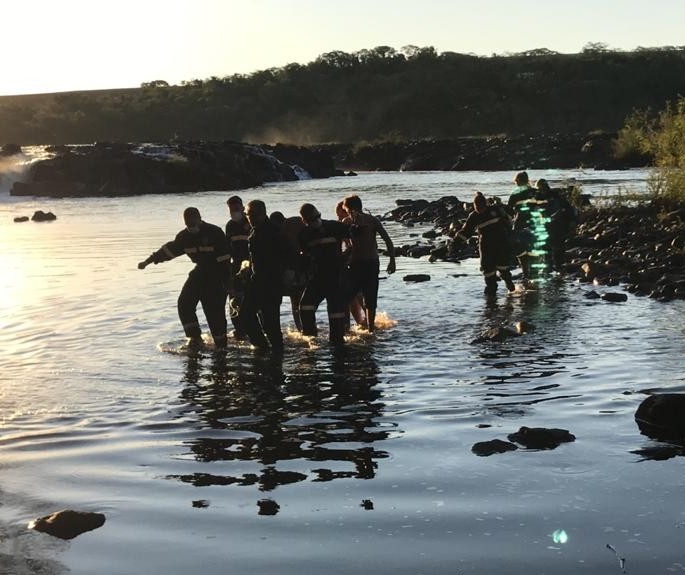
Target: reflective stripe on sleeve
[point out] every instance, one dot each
(239, 238)
(336, 315)
(462, 236)
(191, 250)
(487, 223)
(206, 248)
(168, 252)
(223, 258)
(308, 308)
(489, 274)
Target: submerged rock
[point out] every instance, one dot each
(541, 437)
(614, 297)
(662, 416)
(416, 278)
(41, 216)
(486, 448)
(68, 524)
(19, 219)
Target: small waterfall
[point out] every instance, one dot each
(301, 173)
(15, 168)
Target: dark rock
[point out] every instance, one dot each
(41, 216)
(592, 294)
(21, 219)
(116, 169)
(662, 416)
(485, 448)
(614, 297)
(10, 150)
(366, 504)
(68, 524)
(541, 437)
(416, 278)
(267, 507)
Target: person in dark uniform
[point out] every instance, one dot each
(561, 218)
(529, 226)
(270, 260)
(320, 242)
(291, 227)
(492, 225)
(205, 244)
(237, 231)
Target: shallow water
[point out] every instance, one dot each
(343, 462)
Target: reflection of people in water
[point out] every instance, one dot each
(273, 418)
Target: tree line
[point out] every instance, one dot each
(380, 94)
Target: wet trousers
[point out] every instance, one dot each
(207, 290)
(317, 289)
(260, 317)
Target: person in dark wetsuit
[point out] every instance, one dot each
(237, 231)
(270, 259)
(320, 242)
(205, 244)
(492, 225)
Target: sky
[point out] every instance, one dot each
(64, 45)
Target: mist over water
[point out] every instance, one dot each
(348, 461)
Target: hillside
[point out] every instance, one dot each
(371, 95)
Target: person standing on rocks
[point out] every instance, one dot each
(492, 225)
(364, 261)
(205, 244)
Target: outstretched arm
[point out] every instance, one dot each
(389, 245)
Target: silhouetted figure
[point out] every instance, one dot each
(205, 244)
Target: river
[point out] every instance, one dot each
(337, 462)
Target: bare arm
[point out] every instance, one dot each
(389, 245)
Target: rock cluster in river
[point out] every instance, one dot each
(118, 169)
(641, 248)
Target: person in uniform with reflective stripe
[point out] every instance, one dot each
(491, 223)
(205, 244)
(561, 218)
(528, 224)
(364, 261)
(237, 231)
(320, 242)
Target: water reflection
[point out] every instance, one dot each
(513, 367)
(315, 416)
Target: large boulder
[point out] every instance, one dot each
(662, 416)
(68, 524)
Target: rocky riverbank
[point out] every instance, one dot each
(120, 169)
(640, 248)
(594, 150)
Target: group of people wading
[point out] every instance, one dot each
(259, 258)
(533, 226)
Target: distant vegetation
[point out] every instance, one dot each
(372, 95)
(661, 136)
